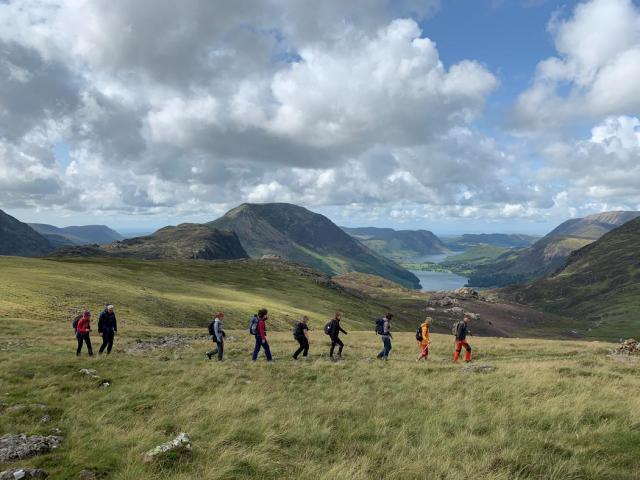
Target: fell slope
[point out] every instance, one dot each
(76, 235)
(185, 241)
(299, 235)
(549, 253)
(400, 245)
(17, 238)
(506, 240)
(599, 286)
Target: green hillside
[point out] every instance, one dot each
(177, 293)
(599, 286)
(549, 253)
(17, 238)
(402, 246)
(299, 235)
(185, 241)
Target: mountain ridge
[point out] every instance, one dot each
(299, 235)
(19, 239)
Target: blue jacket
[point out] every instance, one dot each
(107, 322)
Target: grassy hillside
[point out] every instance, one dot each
(177, 293)
(185, 241)
(599, 286)
(402, 246)
(17, 238)
(299, 235)
(549, 410)
(549, 253)
(505, 240)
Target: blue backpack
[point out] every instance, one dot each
(253, 326)
(380, 326)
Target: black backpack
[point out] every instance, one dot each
(212, 328)
(298, 330)
(74, 323)
(380, 326)
(419, 333)
(328, 328)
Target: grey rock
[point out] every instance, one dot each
(90, 373)
(19, 446)
(45, 419)
(179, 445)
(23, 473)
(87, 475)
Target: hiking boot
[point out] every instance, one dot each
(208, 354)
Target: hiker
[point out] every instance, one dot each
(422, 336)
(261, 336)
(333, 329)
(301, 335)
(107, 327)
(383, 328)
(82, 332)
(217, 335)
(461, 330)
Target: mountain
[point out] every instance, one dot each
(400, 245)
(506, 240)
(185, 241)
(599, 286)
(550, 252)
(76, 235)
(17, 238)
(299, 235)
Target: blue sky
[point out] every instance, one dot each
(530, 119)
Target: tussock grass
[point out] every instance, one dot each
(550, 409)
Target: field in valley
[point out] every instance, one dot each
(548, 410)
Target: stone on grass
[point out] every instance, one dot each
(473, 368)
(19, 446)
(106, 383)
(87, 475)
(23, 473)
(89, 372)
(181, 445)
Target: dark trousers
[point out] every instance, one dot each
(265, 346)
(107, 341)
(336, 341)
(219, 348)
(386, 347)
(84, 337)
(304, 347)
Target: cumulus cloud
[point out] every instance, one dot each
(593, 74)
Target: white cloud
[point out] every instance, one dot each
(595, 70)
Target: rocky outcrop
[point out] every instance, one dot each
(23, 473)
(19, 446)
(627, 347)
(181, 445)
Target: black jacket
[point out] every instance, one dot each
(336, 329)
(107, 322)
(461, 331)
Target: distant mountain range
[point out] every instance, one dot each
(299, 235)
(550, 252)
(76, 235)
(599, 285)
(17, 238)
(186, 241)
(508, 240)
(403, 246)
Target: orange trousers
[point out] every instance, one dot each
(467, 347)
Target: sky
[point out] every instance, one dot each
(450, 115)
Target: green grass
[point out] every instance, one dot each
(551, 409)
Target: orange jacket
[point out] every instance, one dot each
(425, 334)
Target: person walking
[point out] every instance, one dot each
(385, 333)
(217, 337)
(461, 330)
(334, 333)
(82, 333)
(301, 335)
(107, 327)
(261, 336)
(424, 340)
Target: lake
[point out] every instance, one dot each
(432, 281)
